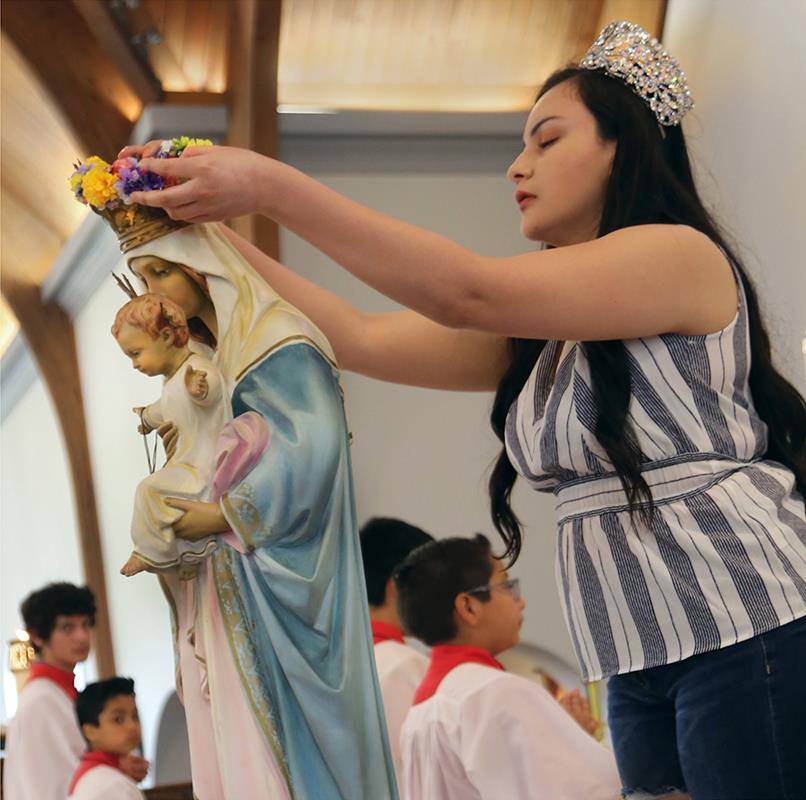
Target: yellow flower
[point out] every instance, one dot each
(75, 180)
(179, 143)
(99, 187)
(96, 161)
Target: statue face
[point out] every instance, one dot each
(171, 281)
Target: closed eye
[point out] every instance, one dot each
(550, 142)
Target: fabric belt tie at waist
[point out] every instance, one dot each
(669, 480)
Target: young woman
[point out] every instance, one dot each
(633, 379)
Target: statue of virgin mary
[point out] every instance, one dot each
(273, 645)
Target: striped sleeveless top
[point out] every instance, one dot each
(725, 556)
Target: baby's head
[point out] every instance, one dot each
(148, 328)
(107, 714)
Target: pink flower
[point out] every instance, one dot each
(121, 164)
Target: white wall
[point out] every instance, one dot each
(745, 64)
(39, 541)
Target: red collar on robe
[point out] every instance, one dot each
(444, 658)
(90, 760)
(61, 677)
(385, 632)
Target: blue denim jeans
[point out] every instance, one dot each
(725, 725)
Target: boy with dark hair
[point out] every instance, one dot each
(44, 743)
(475, 730)
(385, 542)
(107, 714)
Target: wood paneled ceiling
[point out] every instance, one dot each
(394, 55)
(436, 55)
(390, 55)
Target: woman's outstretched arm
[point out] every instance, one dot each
(400, 347)
(634, 282)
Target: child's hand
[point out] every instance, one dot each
(134, 766)
(196, 383)
(143, 427)
(577, 706)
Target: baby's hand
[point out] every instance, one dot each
(196, 383)
(143, 427)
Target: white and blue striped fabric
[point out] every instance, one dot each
(725, 556)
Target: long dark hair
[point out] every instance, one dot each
(650, 182)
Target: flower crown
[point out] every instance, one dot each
(107, 188)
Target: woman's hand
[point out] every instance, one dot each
(169, 434)
(217, 183)
(141, 150)
(199, 519)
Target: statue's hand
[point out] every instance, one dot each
(170, 437)
(196, 383)
(134, 766)
(199, 519)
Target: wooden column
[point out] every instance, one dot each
(254, 46)
(49, 334)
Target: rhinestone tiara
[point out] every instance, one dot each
(626, 51)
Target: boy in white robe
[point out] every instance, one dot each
(476, 732)
(44, 743)
(385, 542)
(107, 713)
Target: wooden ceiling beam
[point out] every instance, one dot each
(650, 14)
(63, 51)
(254, 47)
(194, 98)
(117, 45)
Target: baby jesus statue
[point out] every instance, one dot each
(153, 332)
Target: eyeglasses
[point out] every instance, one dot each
(511, 586)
